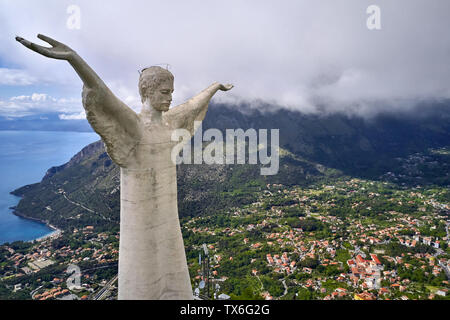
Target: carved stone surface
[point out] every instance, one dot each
(152, 259)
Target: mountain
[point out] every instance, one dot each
(85, 191)
(358, 146)
(43, 122)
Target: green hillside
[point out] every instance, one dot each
(85, 191)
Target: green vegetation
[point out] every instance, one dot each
(332, 200)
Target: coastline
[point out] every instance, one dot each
(33, 154)
(53, 234)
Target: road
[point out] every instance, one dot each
(32, 293)
(84, 207)
(262, 285)
(100, 295)
(285, 289)
(447, 272)
(63, 193)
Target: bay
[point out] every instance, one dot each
(25, 156)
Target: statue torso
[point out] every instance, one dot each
(154, 148)
(150, 229)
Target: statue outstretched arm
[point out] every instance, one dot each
(91, 80)
(184, 115)
(113, 120)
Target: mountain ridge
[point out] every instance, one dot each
(314, 148)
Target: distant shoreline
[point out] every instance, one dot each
(45, 147)
(55, 232)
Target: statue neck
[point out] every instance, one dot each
(150, 113)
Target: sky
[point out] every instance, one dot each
(307, 55)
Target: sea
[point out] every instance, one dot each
(25, 157)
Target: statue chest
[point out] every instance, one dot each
(154, 149)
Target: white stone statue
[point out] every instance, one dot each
(152, 259)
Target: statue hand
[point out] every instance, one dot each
(57, 51)
(226, 87)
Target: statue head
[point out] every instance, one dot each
(156, 85)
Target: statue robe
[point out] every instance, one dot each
(152, 259)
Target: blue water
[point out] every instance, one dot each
(25, 156)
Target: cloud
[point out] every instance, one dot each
(39, 97)
(74, 116)
(35, 97)
(303, 54)
(15, 77)
(24, 105)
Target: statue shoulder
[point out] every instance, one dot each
(179, 117)
(117, 124)
(101, 103)
(92, 96)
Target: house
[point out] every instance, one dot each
(442, 292)
(383, 291)
(364, 296)
(360, 259)
(375, 259)
(223, 296)
(307, 270)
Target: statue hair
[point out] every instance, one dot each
(151, 78)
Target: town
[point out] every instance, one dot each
(350, 239)
(355, 239)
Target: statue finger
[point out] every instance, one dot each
(49, 40)
(40, 49)
(25, 42)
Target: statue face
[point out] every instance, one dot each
(161, 97)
